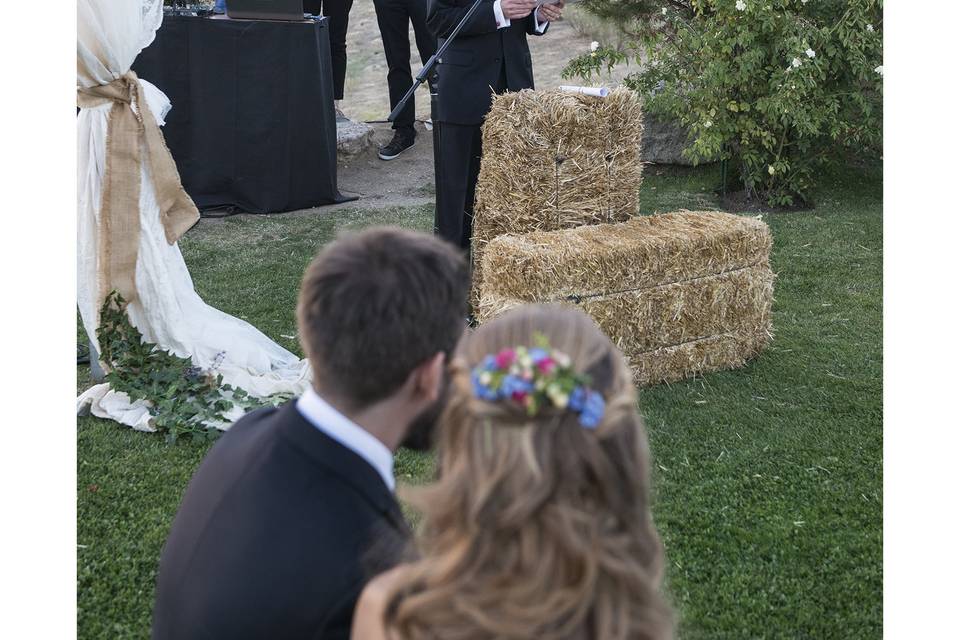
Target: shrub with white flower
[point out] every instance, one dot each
(720, 69)
(594, 45)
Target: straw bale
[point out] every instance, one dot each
(642, 252)
(555, 160)
(681, 294)
(647, 319)
(677, 362)
(728, 350)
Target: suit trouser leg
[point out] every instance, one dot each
(338, 11)
(457, 167)
(393, 18)
(426, 41)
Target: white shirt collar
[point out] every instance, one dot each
(324, 417)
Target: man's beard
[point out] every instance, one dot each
(420, 434)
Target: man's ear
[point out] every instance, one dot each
(429, 377)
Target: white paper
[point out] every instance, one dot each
(599, 92)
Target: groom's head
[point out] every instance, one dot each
(379, 312)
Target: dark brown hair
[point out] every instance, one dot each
(376, 304)
(536, 527)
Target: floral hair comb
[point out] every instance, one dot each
(537, 377)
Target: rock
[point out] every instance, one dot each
(353, 138)
(664, 142)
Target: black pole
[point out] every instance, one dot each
(431, 63)
(436, 151)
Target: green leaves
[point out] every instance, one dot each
(183, 400)
(777, 83)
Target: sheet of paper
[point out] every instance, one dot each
(599, 92)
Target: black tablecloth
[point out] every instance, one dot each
(252, 123)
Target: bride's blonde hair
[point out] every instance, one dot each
(536, 527)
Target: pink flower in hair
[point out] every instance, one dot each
(546, 365)
(505, 358)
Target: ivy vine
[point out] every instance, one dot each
(183, 400)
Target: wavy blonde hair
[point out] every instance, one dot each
(536, 527)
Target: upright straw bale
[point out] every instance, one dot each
(555, 160)
(681, 294)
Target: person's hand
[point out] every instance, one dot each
(550, 12)
(516, 9)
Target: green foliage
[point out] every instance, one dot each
(779, 87)
(183, 399)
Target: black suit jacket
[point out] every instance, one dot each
(472, 65)
(276, 536)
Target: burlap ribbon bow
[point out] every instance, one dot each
(120, 202)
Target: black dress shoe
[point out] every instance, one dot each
(400, 143)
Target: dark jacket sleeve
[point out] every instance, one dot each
(444, 15)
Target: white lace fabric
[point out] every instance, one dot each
(110, 35)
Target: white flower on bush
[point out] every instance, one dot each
(803, 1)
(594, 45)
(708, 124)
(796, 62)
(879, 71)
(811, 53)
(663, 11)
(771, 170)
(741, 5)
(869, 27)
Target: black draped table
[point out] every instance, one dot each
(252, 124)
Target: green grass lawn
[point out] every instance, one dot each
(768, 479)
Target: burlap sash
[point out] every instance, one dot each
(120, 204)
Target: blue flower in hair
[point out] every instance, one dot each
(537, 354)
(482, 391)
(578, 398)
(515, 385)
(593, 410)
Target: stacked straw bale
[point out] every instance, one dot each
(555, 160)
(680, 294)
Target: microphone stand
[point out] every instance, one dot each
(432, 62)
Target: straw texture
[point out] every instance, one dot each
(642, 252)
(555, 160)
(681, 294)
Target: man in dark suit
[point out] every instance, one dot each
(293, 511)
(489, 55)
